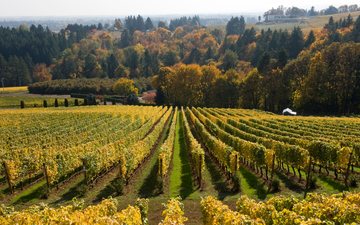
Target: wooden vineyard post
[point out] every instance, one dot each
(272, 172)
(47, 178)
(236, 163)
(348, 170)
(120, 169)
(160, 167)
(200, 169)
(84, 170)
(7, 174)
(308, 178)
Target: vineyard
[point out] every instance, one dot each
(128, 160)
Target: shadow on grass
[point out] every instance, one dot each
(186, 175)
(37, 191)
(152, 185)
(333, 183)
(290, 184)
(75, 191)
(254, 183)
(218, 179)
(109, 190)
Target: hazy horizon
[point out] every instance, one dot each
(91, 8)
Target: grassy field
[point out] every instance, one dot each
(13, 101)
(10, 97)
(11, 90)
(314, 23)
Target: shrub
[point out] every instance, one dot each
(125, 87)
(68, 86)
(132, 100)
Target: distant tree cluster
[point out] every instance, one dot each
(194, 85)
(69, 86)
(22, 50)
(314, 74)
(281, 12)
(184, 21)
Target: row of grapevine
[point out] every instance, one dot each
(108, 155)
(283, 153)
(93, 136)
(343, 133)
(167, 148)
(132, 156)
(224, 154)
(103, 213)
(197, 154)
(315, 209)
(247, 150)
(322, 153)
(173, 213)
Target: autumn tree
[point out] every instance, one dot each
(124, 87)
(251, 90)
(229, 60)
(92, 67)
(118, 24)
(41, 73)
(210, 74)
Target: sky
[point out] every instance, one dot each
(20, 8)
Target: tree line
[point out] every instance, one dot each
(23, 48)
(264, 69)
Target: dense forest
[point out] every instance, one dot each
(237, 66)
(25, 52)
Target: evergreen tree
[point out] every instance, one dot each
(140, 24)
(194, 57)
(236, 26)
(169, 58)
(112, 65)
(148, 24)
(296, 42)
(209, 55)
(310, 39)
(264, 63)
(331, 26)
(247, 38)
(100, 26)
(147, 64)
(125, 39)
(356, 30)
(282, 58)
(91, 67)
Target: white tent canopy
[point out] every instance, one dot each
(288, 111)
